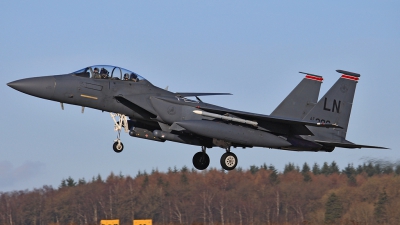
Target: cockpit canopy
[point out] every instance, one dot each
(108, 72)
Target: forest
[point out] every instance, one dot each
(307, 194)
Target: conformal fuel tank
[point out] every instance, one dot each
(233, 133)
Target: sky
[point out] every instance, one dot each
(253, 50)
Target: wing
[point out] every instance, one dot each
(193, 94)
(274, 124)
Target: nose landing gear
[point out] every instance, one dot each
(118, 146)
(122, 122)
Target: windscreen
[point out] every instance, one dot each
(108, 72)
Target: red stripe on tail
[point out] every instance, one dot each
(350, 77)
(320, 79)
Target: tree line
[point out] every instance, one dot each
(366, 194)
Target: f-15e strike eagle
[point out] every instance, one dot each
(299, 123)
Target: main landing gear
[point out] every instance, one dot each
(122, 122)
(201, 160)
(229, 160)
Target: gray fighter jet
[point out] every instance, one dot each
(299, 123)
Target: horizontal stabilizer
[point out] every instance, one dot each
(192, 94)
(346, 145)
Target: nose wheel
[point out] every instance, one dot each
(118, 125)
(118, 146)
(201, 159)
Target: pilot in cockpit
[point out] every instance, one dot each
(134, 77)
(96, 73)
(104, 73)
(126, 76)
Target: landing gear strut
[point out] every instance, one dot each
(229, 160)
(201, 159)
(122, 122)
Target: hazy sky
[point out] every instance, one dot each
(251, 49)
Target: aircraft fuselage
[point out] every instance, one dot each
(159, 115)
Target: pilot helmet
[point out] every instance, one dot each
(126, 76)
(134, 76)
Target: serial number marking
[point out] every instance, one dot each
(320, 120)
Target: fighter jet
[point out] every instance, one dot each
(299, 123)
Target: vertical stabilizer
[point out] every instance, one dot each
(335, 108)
(302, 99)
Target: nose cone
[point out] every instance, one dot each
(42, 87)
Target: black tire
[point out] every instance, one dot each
(201, 161)
(229, 161)
(118, 148)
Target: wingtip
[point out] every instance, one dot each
(378, 147)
